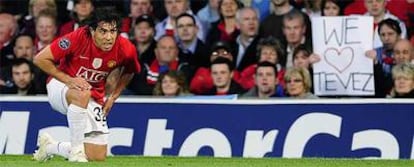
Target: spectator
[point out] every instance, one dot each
(298, 83)
(403, 52)
(312, 7)
(268, 50)
(202, 81)
(23, 78)
(225, 29)
(166, 59)
(222, 74)
(403, 75)
(144, 32)
(27, 24)
(23, 47)
(46, 29)
(137, 8)
(331, 8)
(82, 11)
(247, 20)
(171, 84)
(379, 12)
(266, 83)
(8, 27)
(209, 13)
(174, 9)
(294, 29)
(271, 26)
(191, 47)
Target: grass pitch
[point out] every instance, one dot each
(125, 161)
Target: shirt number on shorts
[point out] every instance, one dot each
(99, 114)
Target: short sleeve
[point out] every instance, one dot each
(65, 45)
(131, 63)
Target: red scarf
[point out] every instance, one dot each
(153, 72)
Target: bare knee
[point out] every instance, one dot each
(77, 97)
(95, 152)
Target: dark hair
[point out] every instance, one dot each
(21, 61)
(393, 24)
(108, 15)
(222, 60)
(178, 77)
(186, 15)
(301, 48)
(338, 3)
(271, 41)
(239, 6)
(266, 64)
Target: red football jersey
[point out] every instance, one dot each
(77, 56)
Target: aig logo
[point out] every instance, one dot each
(91, 75)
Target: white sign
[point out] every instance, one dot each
(341, 43)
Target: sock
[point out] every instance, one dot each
(77, 124)
(59, 148)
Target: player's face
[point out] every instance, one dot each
(105, 35)
(22, 76)
(294, 30)
(388, 36)
(140, 7)
(24, 48)
(221, 75)
(331, 9)
(143, 32)
(295, 86)
(46, 29)
(403, 83)
(268, 54)
(301, 60)
(266, 79)
(169, 86)
(187, 29)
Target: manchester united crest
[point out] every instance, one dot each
(97, 63)
(111, 63)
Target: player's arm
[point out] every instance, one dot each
(123, 81)
(45, 61)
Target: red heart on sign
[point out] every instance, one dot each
(339, 60)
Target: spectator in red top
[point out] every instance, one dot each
(137, 8)
(46, 29)
(8, 28)
(269, 50)
(202, 81)
(82, 11)
(222, 74)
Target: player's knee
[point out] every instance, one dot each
(97, 157)
(85, 94)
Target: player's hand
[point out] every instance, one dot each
(79, 84)
(108, 105)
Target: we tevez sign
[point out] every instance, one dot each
(341, 43)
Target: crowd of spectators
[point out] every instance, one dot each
(253, 48)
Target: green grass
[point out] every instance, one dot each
(125, 161)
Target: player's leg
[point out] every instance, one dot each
(77, 118)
